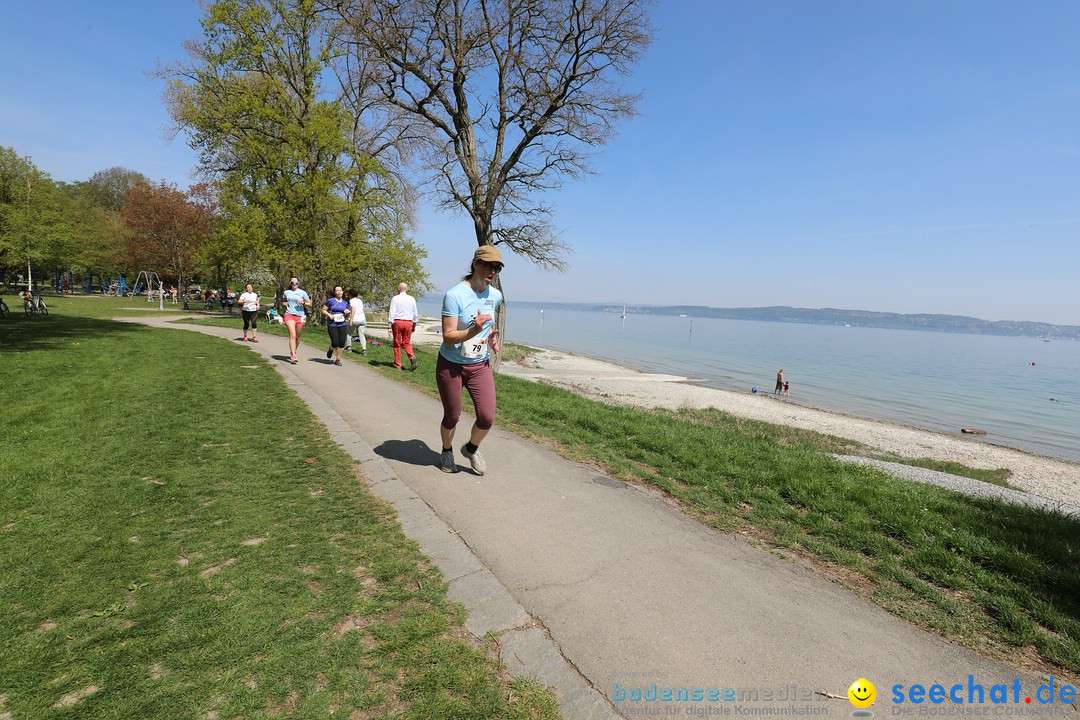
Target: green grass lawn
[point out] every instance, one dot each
(998, 578)
(179, 538)
(995, 577)
(98, 306)
(996, 476)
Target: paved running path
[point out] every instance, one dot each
(630, 591)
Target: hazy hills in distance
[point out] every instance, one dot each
(833, 316)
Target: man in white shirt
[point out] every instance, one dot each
(403, 317)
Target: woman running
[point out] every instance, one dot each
(357, 323)
(336, 311)
(468, 315)
(249, 309)
(296, 303)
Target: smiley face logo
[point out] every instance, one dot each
(862, 693)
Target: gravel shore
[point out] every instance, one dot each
(1053, 482)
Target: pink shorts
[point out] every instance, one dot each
(290, 318)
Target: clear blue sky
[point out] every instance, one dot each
(904, 155)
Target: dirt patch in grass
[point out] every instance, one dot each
(351, 622)
(212, 571)
(76, 697)
(288, 707)
(366, 581)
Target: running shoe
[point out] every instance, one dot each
(412, 364)
(447, 463)
(293, 359)
(329, 352)
(254, 339)
(338, 362)
(475, 459)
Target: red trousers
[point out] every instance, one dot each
(402, 339)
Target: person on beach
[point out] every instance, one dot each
(787, 387)
(402, 319)
(336, 311)
(297, 302)
(779, 382)
(357, 323)
(249, 310)
(469, 338)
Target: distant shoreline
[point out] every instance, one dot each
(928, 322)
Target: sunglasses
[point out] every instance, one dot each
(294, 282)
(493, 266)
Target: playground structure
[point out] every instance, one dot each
(149, 284)
(152, 285)
(117, 287)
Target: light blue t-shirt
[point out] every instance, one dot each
(463, 302)
(294, 302)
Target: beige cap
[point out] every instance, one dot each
(488, 253)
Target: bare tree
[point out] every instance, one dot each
(501, 100)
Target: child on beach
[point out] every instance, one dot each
(787, 387)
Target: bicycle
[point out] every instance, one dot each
(36, 304)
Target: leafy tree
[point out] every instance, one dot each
(104, 235)
(297, 193)
(98, 236)
(236, 250)
(109, 189)
(167, 228)
(504, 99)
(33, 227)
(61, 226)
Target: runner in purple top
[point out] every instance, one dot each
(336, 311)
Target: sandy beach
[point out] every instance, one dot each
(1054, 479)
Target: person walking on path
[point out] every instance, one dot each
(469, 338)
(402, 319)
(357, 323)
(336, 311)
(249, 309)
(297, 302)
(779, 382)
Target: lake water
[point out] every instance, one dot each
(941, 381)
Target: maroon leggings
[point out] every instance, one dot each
(477, 379)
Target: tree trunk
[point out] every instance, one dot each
(482, 225)
(500, 325)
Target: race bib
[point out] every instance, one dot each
(474, 349)
(338, 317)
